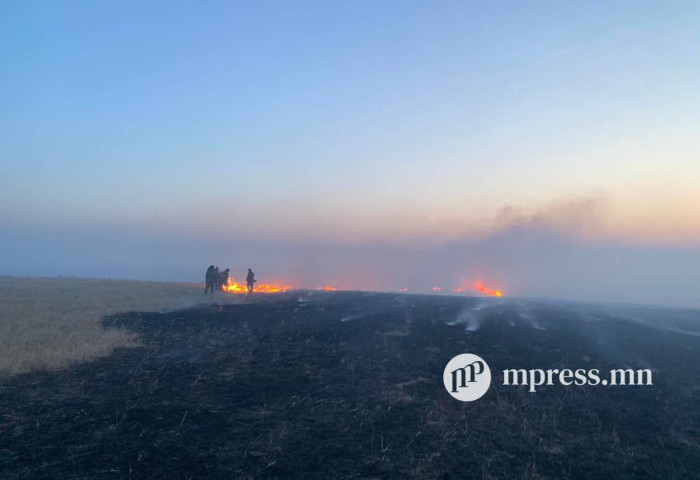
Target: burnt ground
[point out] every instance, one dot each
(349, 385)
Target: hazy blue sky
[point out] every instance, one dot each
(138, 136)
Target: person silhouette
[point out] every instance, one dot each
(209, 280)
(250, 280)
(216, 276)
(223, 279)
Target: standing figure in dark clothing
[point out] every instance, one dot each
(250, 280)
(209, 280)
(223, 276)
(217, 278)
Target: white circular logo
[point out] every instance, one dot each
(467, 377)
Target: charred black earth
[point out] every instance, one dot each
(349, 385)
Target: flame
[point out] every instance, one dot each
(234, 287)
(491, 293)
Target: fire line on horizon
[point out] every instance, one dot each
(233, 286)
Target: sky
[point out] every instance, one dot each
(548, 148)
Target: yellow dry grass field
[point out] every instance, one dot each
(51, 323)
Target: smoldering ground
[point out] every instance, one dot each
(349, 384)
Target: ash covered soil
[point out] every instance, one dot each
(349, 385)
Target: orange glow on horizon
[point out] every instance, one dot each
(232, 286)
(486, 291)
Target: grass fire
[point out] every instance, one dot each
(234, 286)
(183, 385)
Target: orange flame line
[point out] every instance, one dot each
(326, 288)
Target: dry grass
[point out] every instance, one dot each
(51, 323)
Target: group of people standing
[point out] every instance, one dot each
(216, 280)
